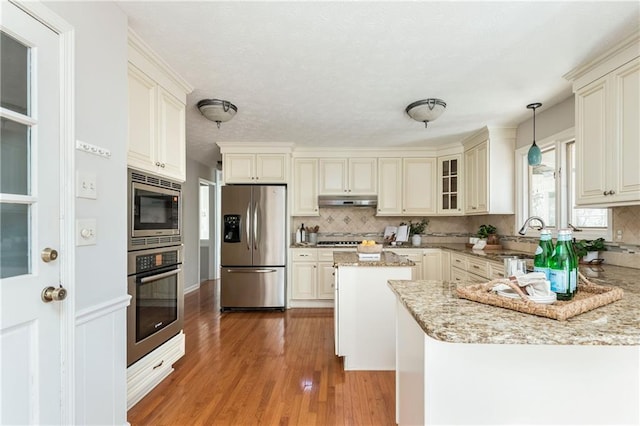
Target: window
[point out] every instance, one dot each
(548, 191)
(204, 212)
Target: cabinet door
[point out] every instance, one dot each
(141, 151)
(419, 186)
(416, 257)
(450, 185)
(362, 176)
(326, 279)
(482, 177)
(389, 187)
(592, 142)
(470, 181)
(304, 278)
(333, 176)
(239, 168)
(271, 168)
(171, 136)
(432, 265)
(625, 170)
(458, 275)
(305, 187)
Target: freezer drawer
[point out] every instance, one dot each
(261, 287)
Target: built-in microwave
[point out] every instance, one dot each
(155, 211)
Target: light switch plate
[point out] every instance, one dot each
(86, 185)
(86, 232)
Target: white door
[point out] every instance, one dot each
(30, 391)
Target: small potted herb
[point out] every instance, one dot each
(417, 229)
(489, 233)
(588, 250)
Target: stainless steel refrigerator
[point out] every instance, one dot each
(253, 253)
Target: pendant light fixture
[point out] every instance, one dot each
(217, 110)
(426, 110)
(534, 157)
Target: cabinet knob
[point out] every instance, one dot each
(612, 192)
(158, 164)
(162, 165)
(605, 193)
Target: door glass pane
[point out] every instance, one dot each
(14, 158)
(14, 75)
(543, 189)
(14, 240)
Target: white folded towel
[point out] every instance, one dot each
(533, 284)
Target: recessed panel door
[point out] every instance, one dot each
(29, 221)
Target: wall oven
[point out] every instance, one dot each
(155, 314)
(155, 211)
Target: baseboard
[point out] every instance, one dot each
(192, 288)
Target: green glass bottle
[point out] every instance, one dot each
(563, 267)
(544, 251)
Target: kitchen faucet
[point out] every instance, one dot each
(523, 230)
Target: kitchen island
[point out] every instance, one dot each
(364, 310)
(463, 362)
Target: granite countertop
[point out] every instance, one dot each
(387, 258)
(444, 316)
(493, 255)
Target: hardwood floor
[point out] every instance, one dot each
(263, 368)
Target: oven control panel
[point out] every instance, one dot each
(146, 262)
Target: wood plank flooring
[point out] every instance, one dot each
(263, 368)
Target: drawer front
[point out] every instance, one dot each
(478, 267)
(326, 254)
(415, 256)
(496, 271)
(307, 255)
(459, 261)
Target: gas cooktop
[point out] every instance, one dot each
(343, 243)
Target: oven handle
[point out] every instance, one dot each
(250, 271)
(160, 276)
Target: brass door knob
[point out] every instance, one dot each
(53, 294)
(49, 255)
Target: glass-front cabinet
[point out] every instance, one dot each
(450, 185)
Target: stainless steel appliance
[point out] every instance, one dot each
(155, 211)
(253, 253)
(155, 283)
(340, 243)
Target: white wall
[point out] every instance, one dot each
(557, 118)
(191, 223)
(99, 289)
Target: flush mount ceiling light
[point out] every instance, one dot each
(217, 110)
(534, 157)
(426, 110)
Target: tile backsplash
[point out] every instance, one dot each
(362, 220)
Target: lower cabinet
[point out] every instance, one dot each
(428, 263)
(312, 277)
(149, 371)
(470, 269)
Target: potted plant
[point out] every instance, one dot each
(416, 229)
(489, 233)
(588, 250)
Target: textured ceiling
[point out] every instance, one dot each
(336, 74)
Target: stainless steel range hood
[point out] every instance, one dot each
(347, 201)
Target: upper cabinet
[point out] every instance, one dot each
(450, 182)
(255, 168)
(348, 176)
(407, 186)
(305, 187)
(255, 163)
(489, 172)
(157, 99)
(607, 96)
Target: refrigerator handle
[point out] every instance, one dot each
(255, 226)
(246, 225)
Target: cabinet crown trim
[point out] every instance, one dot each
(623, 52)
(486, 133)
(253, 147)
(140, 46)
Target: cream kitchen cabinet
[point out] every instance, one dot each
(407, 186)
(608, 138)
(157, 98)
(348, 176)
(305, 187)
(450, 182)
(254, 168)
(428, 263)
(489, 172)
(415, 256)
(312, 277)
(469, 269)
